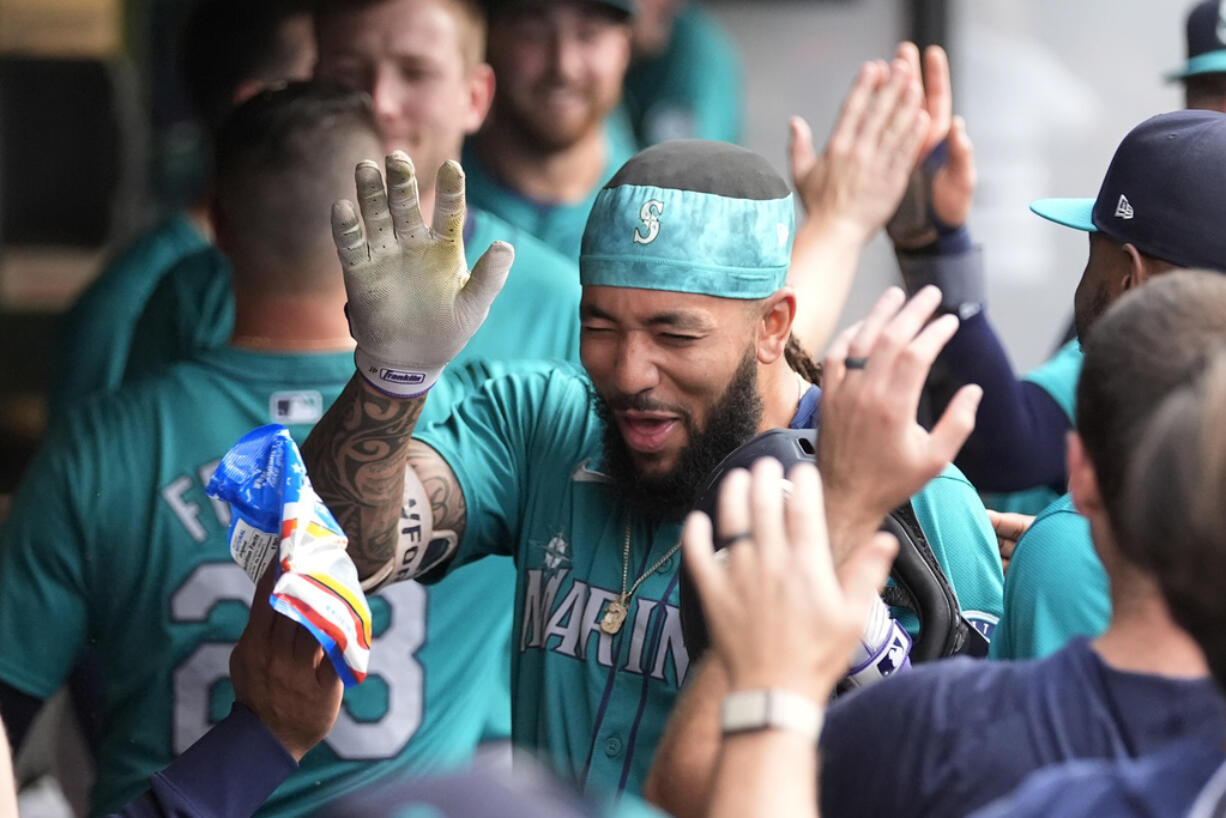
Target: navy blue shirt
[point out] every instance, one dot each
(955, 735)
(1162, 785)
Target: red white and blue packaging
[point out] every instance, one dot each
(276, 513)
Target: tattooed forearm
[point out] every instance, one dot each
(446, 498)
(356, 456)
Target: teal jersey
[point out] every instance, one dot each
(97, 331)
(535, 316)
(558, 225)
(1056, 588)
(1057, 377)
(962, 540)
(113, 546)
(526, 451)
(693, 90)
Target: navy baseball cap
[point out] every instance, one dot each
(1206, 41)
(1164, 192)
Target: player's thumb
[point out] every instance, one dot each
(488, 276)
(800, 146)
(956, 424)
(864, 572)
(961, 157)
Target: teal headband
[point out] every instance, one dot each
(681, 240)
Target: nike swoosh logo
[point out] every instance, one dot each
(584, 474)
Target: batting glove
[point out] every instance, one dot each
(413, 304)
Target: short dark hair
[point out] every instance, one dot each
(470, 13)
(282, 158)
(227, 42)
(1174, 505)
(1150, 342)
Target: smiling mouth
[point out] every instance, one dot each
(644, 432)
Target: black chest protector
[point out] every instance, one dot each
(919, 584)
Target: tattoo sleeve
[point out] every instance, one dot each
(357, 456)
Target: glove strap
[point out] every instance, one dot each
(396, 380)
(885, 648)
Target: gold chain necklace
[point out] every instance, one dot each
(615, 614)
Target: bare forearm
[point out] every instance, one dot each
(681, 775)
(356, 456)
(824, 259)
(765, 773)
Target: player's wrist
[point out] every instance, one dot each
(396, 379)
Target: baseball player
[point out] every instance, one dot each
(113, 548)
(1017, 451)
(1203, 74)
(555, 133)
(1168, 165)
(193, 309)
(583, 480)
(267, 43)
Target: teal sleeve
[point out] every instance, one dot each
(961, 536)
(1056, 588)
(496, 438)
(1058, 377)
(191, 310)
(96, 332)
(44, 611)
(484, 441)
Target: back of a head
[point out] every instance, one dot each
(1174, 508)
(691, 216)
(227, 43)
(1150, 342)
(283, 157)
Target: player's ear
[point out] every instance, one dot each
(480, 96)
(1082, 479)
(1138, 270)
(775, 325)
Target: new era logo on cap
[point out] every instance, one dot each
(1175, 165)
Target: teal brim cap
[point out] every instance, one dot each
(1074, 213)
(1212, 62)
(694, 217)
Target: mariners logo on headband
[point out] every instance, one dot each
(691, 216)
(650, 214)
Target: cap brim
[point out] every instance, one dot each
(1211, 62)
(1075, 213)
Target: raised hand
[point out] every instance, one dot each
(280, 672)
(857, 182)
(872, 452)
(777, 614)
(413, 304)
(942, 185)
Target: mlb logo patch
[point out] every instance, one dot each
(288, 408)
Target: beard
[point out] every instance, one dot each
(1084, 317)
(667, 497)
(548, 133)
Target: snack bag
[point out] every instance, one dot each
(277, 514)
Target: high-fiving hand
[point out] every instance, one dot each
(942, 186)
(777, 614)
(413, 304)
(871, 449)
(858, 180)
